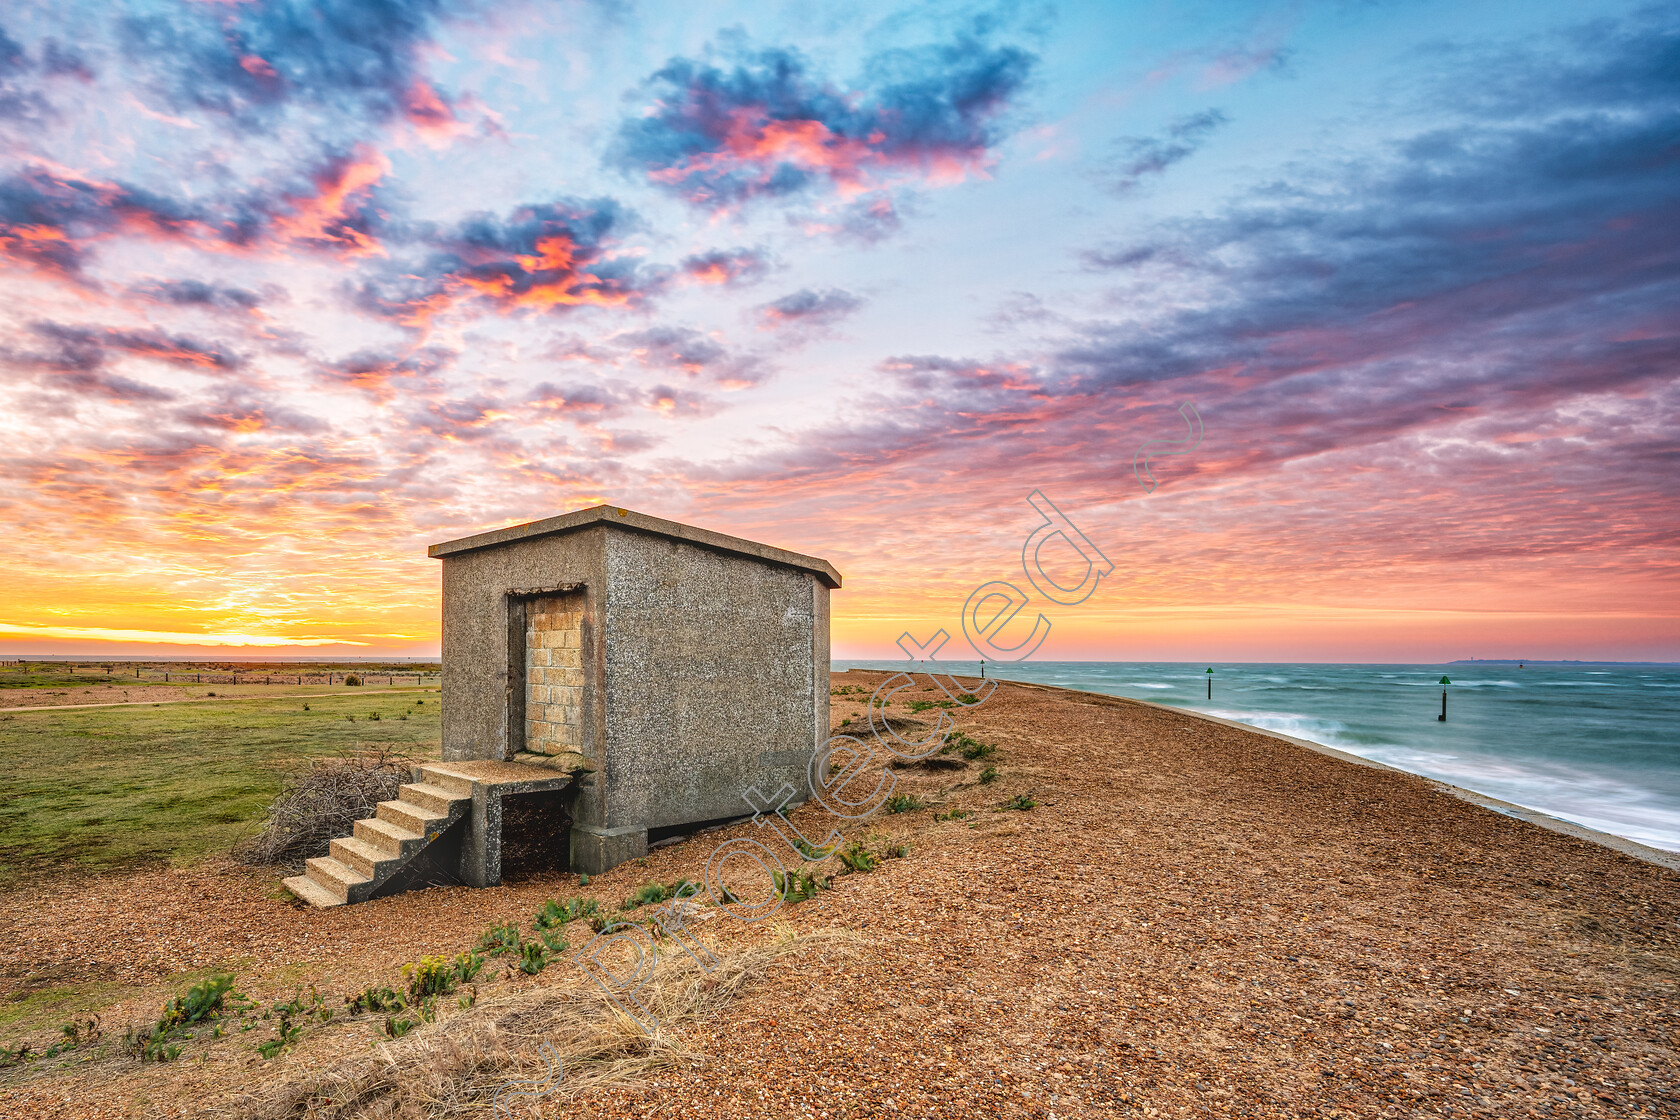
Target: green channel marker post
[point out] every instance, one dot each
(1443, 716)
(1210, 684)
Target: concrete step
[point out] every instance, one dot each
(460, 785)
(439, 799)
(311, 891)
(389, 838)
(343, 881)
(364, 857)
(406, 814)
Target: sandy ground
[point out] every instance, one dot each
(1194, 921)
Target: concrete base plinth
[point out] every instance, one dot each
(595, 850)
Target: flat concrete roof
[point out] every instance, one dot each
(629, 519)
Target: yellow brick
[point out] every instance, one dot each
(568, 658)
(539, 657)
(572, 677)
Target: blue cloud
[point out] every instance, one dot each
(767, 125)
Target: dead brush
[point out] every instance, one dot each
(454, 1068)
(320, 802)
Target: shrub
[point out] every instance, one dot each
(905, 803)
(321, 802)
(353, 680)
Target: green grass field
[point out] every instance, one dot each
(101, 790)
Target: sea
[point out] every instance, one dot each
(1598, 745)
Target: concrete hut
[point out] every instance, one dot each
(649, 672)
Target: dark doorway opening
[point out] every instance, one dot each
(536, 834)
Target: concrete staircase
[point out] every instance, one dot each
(382, 845)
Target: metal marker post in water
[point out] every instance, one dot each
(1443, 716)
(1210, 684)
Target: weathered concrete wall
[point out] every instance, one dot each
(477, 674)
(711, 681)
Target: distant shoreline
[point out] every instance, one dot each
(1530, 661)
(1643, 852)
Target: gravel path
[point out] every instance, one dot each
(1195, 920)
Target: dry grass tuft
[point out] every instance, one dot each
(456, 1067)
(321, 802)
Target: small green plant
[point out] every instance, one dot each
(467, 1000)
(924, 705)
(555, 914)
(467, 966)
(895, 851)
(431, 976)
(847, 722)
(966, 745)
(396, 1027)
(583, 880)
(954, 815)
(533, 957)
(649, 894)
(1022, 801)
(306, 707)
(798, 886)
(905, 803)
(206, 999)
(202, 1004)
(374, 717)
(285, 1034)
(375, 999)
(988, 775)
(646, 895)
(857, 858)
(497, 940)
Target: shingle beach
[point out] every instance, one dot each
(1193, 920)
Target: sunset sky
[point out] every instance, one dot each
(290, 291)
